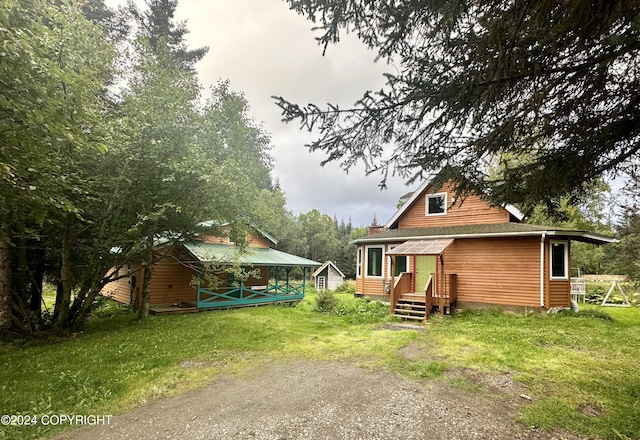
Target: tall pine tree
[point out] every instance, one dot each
(554, 81)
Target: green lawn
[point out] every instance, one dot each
(568, 363)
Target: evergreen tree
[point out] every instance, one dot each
(554, 81)
(624, 257)
(157, 24)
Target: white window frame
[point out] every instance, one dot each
(366, 261)
(431, 196)
(322, 283)
(359, 262)
(406, 259)
(565, 276)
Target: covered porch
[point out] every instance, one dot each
(414, 294)
(274, 276)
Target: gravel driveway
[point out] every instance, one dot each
(322, 400)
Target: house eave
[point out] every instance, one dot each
(327, 263)
(575, 235)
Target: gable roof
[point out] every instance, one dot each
(266, 235)
(484, 231)
(327, 263)
(420, 191)
(224, 253)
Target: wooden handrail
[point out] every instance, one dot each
(401, 285)
(428, 296)
(429, 285)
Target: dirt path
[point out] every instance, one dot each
(320, 400)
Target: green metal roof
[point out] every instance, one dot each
(222, 253)
(483, 230)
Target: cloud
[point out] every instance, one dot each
(265, 49)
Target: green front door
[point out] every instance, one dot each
(425, 266)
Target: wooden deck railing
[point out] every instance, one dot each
(432, 292)
(246, 295)
(444, 295)
(402, 285)
(429, 295)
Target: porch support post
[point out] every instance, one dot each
(276, 272)
(198, 290)
(304, 279)
(392, 290)
(441, 286)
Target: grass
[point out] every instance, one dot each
(570, 364)
(574, 365)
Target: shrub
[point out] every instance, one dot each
(362, 310)
(596, 292)
(586, 314)
(105, 308)
(346, 288)
(326, 302)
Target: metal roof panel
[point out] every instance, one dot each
(422, 247)
(250, 256)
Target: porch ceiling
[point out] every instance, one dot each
(422, 247)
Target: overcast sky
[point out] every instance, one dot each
(264, 49)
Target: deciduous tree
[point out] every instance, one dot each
(54, 65)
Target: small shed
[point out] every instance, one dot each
(327, 277)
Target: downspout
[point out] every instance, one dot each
(542, 239)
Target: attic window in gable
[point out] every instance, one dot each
(436, 204)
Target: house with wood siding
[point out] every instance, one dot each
(442, 250)
(179, 280)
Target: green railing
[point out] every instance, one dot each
(243, 295)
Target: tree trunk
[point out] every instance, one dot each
(5, 281)
(146, 281)
(20, 263)
(63, 301)
(35, 303)
(144, 300)
(80, 311)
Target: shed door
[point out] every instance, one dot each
(425, 266)
(321, 283)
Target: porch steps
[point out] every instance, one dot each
(410, 309)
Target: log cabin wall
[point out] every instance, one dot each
(470, 210)
(261, 278)
(258, 241)
(253, 239)
(170, 284)
(120, 290)
(502, 271)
